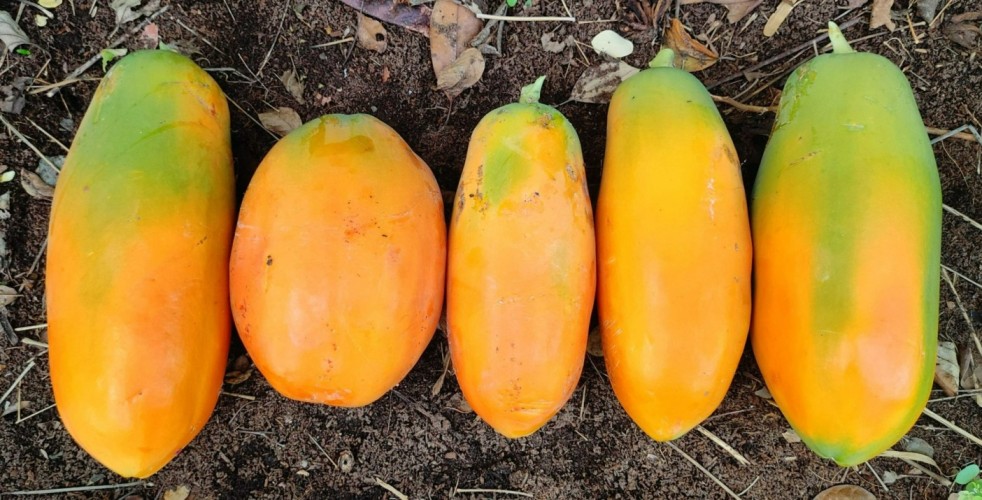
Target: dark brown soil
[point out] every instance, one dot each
(426, 445)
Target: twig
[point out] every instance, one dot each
(947, 423)
(877, 476)
(77, 488)
(958, 302)
(98, 57)
(400, 495)
(30, 365)
(37, 259)
(484, 490)
(971, 135)
(19, 420)
(240, 396)
(28, 143)
(46, 12)
(963, 216)
(44, 88)
(909, 455)
(747, 489)
(960, 275)
(45, 132)
(335, 42)
(529, 19)
(315, 443)
(723, 444)
(744, 107)
(229, 10)
(275, 39)
(257, 122)
(195, 33)
(33, 343)
(944, 481)
(32, 327)
(596, 21)
(703, 470)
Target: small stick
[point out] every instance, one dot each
(44, 88)
(30, 365)
(46, 12)
(956, 133)
(958, 301)
(877, 476)
(19, 420)
(257, 122)
(275, 39)
(960, 275)
(529, 19)
(484, 490)
(723, 444)
(963, 216)
(929, 472)
(392, 489)
(45, 132)
(28, 143)
(940, 420)
(98, 57)
(77, 488)
(229, 10)
(33, 343)
(744, 107)
(703, 470)
(314, 441)
(195, 33)
(32, 327)
(747, 489)
(240, 396)
(37, 258)
(595, 21)
(331, 44)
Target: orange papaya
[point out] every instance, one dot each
(338, 262)
(137, 287)
(674, 251)
(521, 268)
(846, 215)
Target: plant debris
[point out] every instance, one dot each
(452, 27)
(416, 18)
(462, 74)
(281, 121)
(845, 492)
(10, 33)
(294, 84)
(881, 15)
(597, 84)
(13, 95)
(550, 45)
(690, 55)
(610, 43)
(371, 34)
(963, 32)
(738, 9)
(971, 372)
(7, 295)
(35, 186)
(946, 370)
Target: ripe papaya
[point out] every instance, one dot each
(674, 251)
(846, 217)
(338, 262)
(137, 287)
(521, 268)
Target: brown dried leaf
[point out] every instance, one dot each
(776, 19)
(416, 18)
(294, 84)
(7, 295)
(690, 55)
(845, 492)
(970, 370)
(180, 493)
(594, 342)
(550, 45)
(371, 34)
(962, 32)
(452, 27)
(738, 9)
(946, 369)
(462, 74)
(35, 186)
(240, 371)
(281, 120)
(881, 15)
(597, 84)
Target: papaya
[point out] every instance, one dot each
(674, 251)
(338, 261)
(521, 270)
(846, 217)
(136, 271)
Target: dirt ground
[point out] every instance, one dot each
(427, 445)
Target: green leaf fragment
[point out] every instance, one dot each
(967, 474)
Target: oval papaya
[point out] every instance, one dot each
(137, 287)
(521, 267)
(338, 263)
(674, 251)
(846, 215)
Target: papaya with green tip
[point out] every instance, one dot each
(137, 287)
(674, 251)
(521, 268)
(846, 216)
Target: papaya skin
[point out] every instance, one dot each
(338, 264)
(140, 231)
(673, 238)
(846, 217)
(521, 268)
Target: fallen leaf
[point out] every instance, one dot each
(777, 18)
(971, 371)
(610, 43)
(791, 436)
(240, 371)
(462, 74)
(962, 32)
(371, 34)
(845, 492)
(918, 445)
(7, 176)
(927, 9)
(293, 84)
(690, 55)
(10, 34)
(452, 27)
(946, 368)
(179, 493)
(738, 9)
(889, 477)
(12, 408)
(40, 20)
(50, 4)
(764, 392)
(13, 95)
(597, 84)
(281, 120)
(124, 10)
(550, 45)
(881, 15)
(594, 342)
(7, 295)
(34, 186)
(416, 18)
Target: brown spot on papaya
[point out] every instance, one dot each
(269, 260)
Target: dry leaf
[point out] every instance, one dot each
(791, 436)
(889, 477)
(971, 371)
(35, 186)
(293, 84)
(594, 342)
(881, 15)
(7, 295)
(281, 120)
(964, 33)
(240, 371)
(179, 493)
(13, 95)
(776, 19)
(610, 43)
(845, 492)
(549, 45)
(918, 445)
(452, 27)
(462, 74)
(946, 369)
(371, 34)
(597, 84)
(416, 18)
(764, 392)
(10, 34)
(690, 55)
(927, 9)
(738, 9)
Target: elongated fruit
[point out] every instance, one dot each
(847, 227)
(338, 263)
(673, 238)
(137, 293)
(521, 274)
